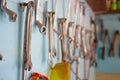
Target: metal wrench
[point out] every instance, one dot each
(42, 27)
(53, 50)
(61, 23)
(45, 13)
(12, 14)
(27, 65)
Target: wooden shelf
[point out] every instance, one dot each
(99, 7)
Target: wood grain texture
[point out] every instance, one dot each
(107, 76)
(99, 7)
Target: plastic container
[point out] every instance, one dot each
(118, 4)
(113, 5)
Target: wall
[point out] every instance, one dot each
(109, 65)
(11, 44)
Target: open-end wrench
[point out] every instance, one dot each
(45, 13)
(61, 24)
(49, 43)
(69, 34)
(31, 6)
(66, 27)
(42, 27)
(90, 59)
(78, 40)
(76, 6)
(60, 28)
(27, 65)
(53, 50)
(12, 14)
(94, 42)
(104, 39)
(112, 47)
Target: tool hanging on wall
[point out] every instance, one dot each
(105, 36)
(42, 27)
(61, 24)
(69, 33)
(79, 52)
(27, 64)
(51, 27)
(112, 47)
(12, 15)
(45, 13)
(76, 6)
(102, 29)
(94, 43)
(119, 51)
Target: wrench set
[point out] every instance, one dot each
(73, 36)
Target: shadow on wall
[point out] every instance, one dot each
(20, 42)
(1, 57)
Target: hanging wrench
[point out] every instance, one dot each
(27, 65)
(94, 42)
(69, 34)
(112, 47)
(76, 6)
(45, 13)
(53, 50)
(12, 15)
(42, 27)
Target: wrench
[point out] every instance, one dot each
(42, 27)
(76, 6)
(49, 44)
(70, 27)
(51, 15)
(61, 24)
(27, 65)
(45, 13)
(12, 15)
(112, 48)
(94, 42)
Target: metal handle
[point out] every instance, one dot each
(42, 28)
(12, 14)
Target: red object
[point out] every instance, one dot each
(37, 76)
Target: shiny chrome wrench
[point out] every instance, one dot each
(42, 27)
(27, 65)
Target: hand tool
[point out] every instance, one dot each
(45, 13)
(51, 26)
(102, 29)
(65, 25)
(27, 65)
(112, 47)
(42, 27)
(61, 25)
(119, 51)
(12, 14)
(76, 6)
(69, 34)
(94, 42)
(105, 36)
(49, 40)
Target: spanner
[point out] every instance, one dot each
(12, 15)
